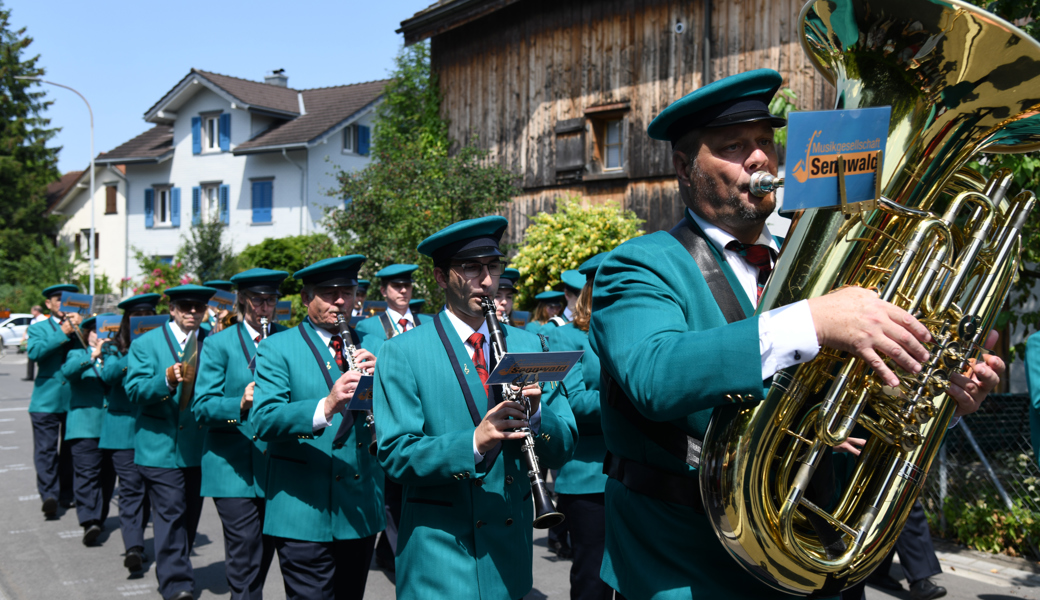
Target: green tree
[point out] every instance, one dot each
(289, 254)
(42, 265)
(414, 186)
(206, 253)
(563, 240)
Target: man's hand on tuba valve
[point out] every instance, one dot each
(970, 388)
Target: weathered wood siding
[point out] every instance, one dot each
(508, 78)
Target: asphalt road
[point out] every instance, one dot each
(46, 560)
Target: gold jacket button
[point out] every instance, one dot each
(357, 476)
(182, 426)
(509, 521)
(339, 478)
(478, 482)
(359, 444)
(480, 524)
(509, 479)
(254, 438)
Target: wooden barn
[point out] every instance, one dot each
(562, 90)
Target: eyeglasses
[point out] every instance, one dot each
(262, 300)
(471, 270)
(191, 306)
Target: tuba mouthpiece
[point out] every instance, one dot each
(763, 183)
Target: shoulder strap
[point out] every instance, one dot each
(388, 327)
(169, 341)
(558, 321)
(697, 246)
(317, 356)
(415, 316)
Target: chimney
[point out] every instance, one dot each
(277, 77)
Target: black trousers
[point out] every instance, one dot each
(93, 478)
(53, 466)
(325, 570)
(586, 515)
(247, 551)
(30, 369)
(133, 502)
(176, 508)
(393, 494)
(916, 553)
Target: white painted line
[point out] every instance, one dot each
(6, 432)
(78, 581)
(8, 447)
(22, 530)
(27, 498)
(6, 420)
(135, 589)
(25, 408)
(68, 535)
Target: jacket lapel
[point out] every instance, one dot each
(330, 365)
(731, 277)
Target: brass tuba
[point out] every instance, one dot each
(939, 240)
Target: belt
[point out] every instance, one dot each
(654, 483)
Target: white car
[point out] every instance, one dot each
(12, 329)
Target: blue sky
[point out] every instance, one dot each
(124, 56)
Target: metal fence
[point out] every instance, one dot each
(988, 457)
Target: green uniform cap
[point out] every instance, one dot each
(416, 304)
(260, 281)
(402, 272)
(508, 279)
(56, 290)
(220, 284)
(573, 279)
(550, 296)
(190, 293)
(339, 271)
(362, 285)
(146, 301)
(472, 238)
(741, 98)
(588, 268)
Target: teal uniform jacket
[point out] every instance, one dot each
(1033, 382)
(465, 529)
(166, 436)
(372, 334)
(318, 489)
(659, 333)
(583, 474)
(533, 327)
(117, 428)
(87, 406)
(234, 461)
(47, 347)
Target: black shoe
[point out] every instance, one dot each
(562, 550)
(68, 504)
(50, 507)
(182, 595)
(885, 581)
(134, 559)
(926, 590)
(91, 531)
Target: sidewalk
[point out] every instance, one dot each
(992, 569)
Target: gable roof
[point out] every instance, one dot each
(326, 109)
(154, 145)
(249, 95)
(446, 15)
(56, 190)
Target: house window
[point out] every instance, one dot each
(162, 206)
(350, 138)
(263, 201)
(110, 199)
(211, 202)
(211, 133)
(84, 236)
(356, 139)
(79, 250)
(166, 260)
(613, 141)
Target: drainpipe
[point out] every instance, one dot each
(303, 187)
(126, 223)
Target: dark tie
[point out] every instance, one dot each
(256, 340)
(757, 255)
(403, 322)
(337, 349)
(477, 341)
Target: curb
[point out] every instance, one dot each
(993, 569)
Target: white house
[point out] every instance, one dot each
(110, 222)
(258, 156)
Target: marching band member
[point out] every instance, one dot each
(395, 283)
(580, 482)
(549, 307)
(324, 488)
(667, 371)
(465, 527)
(234, 465)
(504, 294)
(93, 478)
(573, 283)
(168, 440)
(117, 432)
(359, 296)
(211, 322)
(416, 304)
(49, 342)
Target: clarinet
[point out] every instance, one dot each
(348, 357)
(545, 513)
(265, 328)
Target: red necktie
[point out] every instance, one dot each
(403, 322)
(337, 349)
(757, 255)
(256, 340)
(477, 341)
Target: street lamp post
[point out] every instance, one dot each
(89, 110)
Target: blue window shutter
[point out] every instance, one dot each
(362, 140)
(262, 200)
(175, 207)
(225, 212)
(149, 207)
(196, 205)
(196, 135)
(225, 132)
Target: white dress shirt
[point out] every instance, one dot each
(786, 335)
(181, 338)
(395, 317)
(319, 422)
(252, 333)
(568, 314)
(464, 332)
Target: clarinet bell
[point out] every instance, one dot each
(545, 514)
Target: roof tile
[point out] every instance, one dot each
(151, 144)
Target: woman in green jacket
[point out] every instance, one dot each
(92, 479)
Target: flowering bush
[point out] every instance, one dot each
(157, 276)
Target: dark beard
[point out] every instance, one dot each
(704, 189)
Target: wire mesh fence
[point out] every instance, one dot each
(986, 462)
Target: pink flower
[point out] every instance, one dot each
(135, 290)
(179, 265)
(158, 281)
(157, 272)
(146, 287)
(185, 280)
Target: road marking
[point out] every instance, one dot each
(68, 535)
(22, 530)
(78, 581)
(27, 498)
(8, 447)
(6, 420)
(135, 589)
(14, 408)
(6, 432)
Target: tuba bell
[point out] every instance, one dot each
(940, 241)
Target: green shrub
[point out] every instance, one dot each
(987, 525)
(563, 240)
